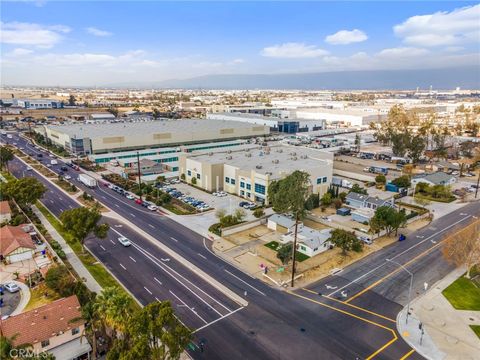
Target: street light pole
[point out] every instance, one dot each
(409, 289)
(478, 183)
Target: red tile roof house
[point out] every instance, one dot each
(5, 211)
(56, 328)
(15, 243)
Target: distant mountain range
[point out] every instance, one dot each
(439, 79)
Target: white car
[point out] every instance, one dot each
(12, 287)
(366, 240)
(152, 207)
(29, 168)
(67, 177)
(49, 165)
(124, 241)
(222, 193)
(215, 193)
(129, 196)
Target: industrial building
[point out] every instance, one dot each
(276, 124)
(345, 117)
(37, 103)
(248, 172)
(100, 138)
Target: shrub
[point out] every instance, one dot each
(18, 219)
(58, 278)
(216, 229)
(313, 202)
(194, 181)
(337, 203)
(258, 213)
(182, 177)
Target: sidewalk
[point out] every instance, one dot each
(72, 258)
(447, 334)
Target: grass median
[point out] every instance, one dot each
(95, 268)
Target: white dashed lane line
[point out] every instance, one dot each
(123, 267)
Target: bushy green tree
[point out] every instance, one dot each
(284, 253)
(81, 222)
(312, 202)
(326, 199)
(6, 155)
(347, 241)
(358, 189)
(402, 181)
(26, 191)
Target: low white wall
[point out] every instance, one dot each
(354, 176)
(243, 226)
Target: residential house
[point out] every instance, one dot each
(360, 201)
(54, 328)
(5, 212)
(363, 215)
(16, 243)
(438, 178)
(310, 241)
(282, 223)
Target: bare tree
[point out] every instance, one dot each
(463, 247)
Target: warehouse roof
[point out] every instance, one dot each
(275, 160)
(146, 127)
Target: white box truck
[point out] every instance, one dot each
(54, 162)
(87, 180)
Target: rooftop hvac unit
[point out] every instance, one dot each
(280, 150)
(293, 153)
(268, 173)
(304, 157)
(229, 151)
(248, 155)
(258, 167)
(276, 161)
(229, 158)
(210, 153)
(267, 152)
(294, 158)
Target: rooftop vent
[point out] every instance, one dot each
(210, 153)
(276, 161)
(229, 158)
(293, 153)
(248, 155)
(258, 167)
(294, 158)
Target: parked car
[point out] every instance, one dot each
(243, 203)
(67, 177)
(12, 287)
(29, 168)
(402, 237)
(145, 204)
(138, 201)
(152, 207)
(64, 168)
(366, 240)
(124, 241)
(129, 196)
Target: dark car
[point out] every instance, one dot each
(401, 237)
(243, 203)
(145, 204)
(39, 155)
(64, 168)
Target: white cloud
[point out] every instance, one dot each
(32, 34)
(402, 52)
(441, 28)
(97, 32)
(344, 37)
(293, 50)
(19, 52)
(237, 61)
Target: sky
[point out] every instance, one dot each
(101, 43)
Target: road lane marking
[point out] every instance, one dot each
(173, 239)
(202, 256)
(70, 206)
(103, 197)
(395, 337)
(156, 298)
(157, 280)
(403, 252)
(132, 215)
(113, 242)
(51, 201)
(350, 305)
(153, 227)
(407, 354)
(117, 205)
(61, 210)
(253, 287)
(61, 199)
(147, 290)
(164, 267)
(131, 258)
(188, 307)
(123, 267)
(217, 320)
(102, 248)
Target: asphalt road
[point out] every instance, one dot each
(276, 324)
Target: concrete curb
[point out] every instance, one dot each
(24, 298)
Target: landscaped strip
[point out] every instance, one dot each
(463, 294)
(98, 271)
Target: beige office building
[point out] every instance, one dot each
(99, 138)
(249, 172)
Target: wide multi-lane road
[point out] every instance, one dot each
(348, 316)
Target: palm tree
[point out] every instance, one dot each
(114, 309)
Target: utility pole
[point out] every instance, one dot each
(139, 175)
(294, 250)
(478, 183)
(409, 288)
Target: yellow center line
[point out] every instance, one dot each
(392, 273)
(353, 306)
(395, 338)
(407, 263)
(407, 354)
